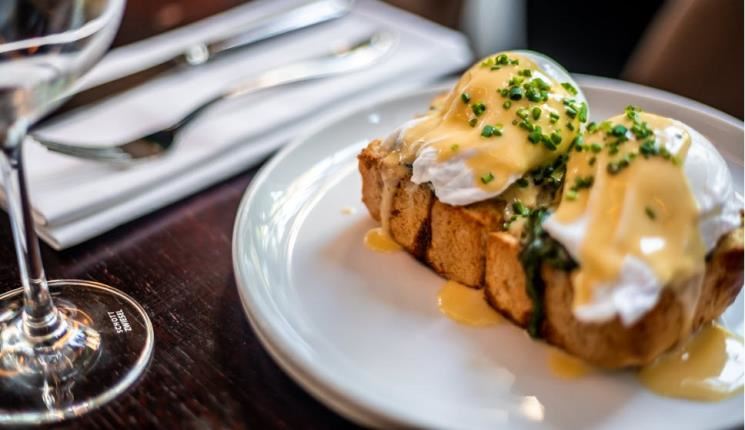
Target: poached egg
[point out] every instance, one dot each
(645, 199)
(508, 114)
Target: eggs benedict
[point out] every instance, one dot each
(613, 241)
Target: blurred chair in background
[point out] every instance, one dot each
(694, 48)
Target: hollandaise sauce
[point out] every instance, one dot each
(566, 366)
(466, 305)
(505, 117)
(708, 367)
(377, 239)
(625, 181)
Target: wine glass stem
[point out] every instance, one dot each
(39, 314)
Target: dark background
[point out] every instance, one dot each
(584, 37)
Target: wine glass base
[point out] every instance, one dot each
(109, 346)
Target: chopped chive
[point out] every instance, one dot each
(632, 112)
(618, 130)
(570, 88)
(516, 93)
(551, 146)
(454, 147)
(507, 104)
(595, 147)
(472, 122)
(641, 130)
(541, 84)
(487, 178)
(571, 195)
(583, 112)
(536, 112)
(465, 97)
(649, 148)
(478, 108)
(650, 213)
(592, 161)
(522, 182)
(555, 138)
(580, 182)
(553, 117)
(520, 208)
(578, 143)
(536, 135)
(615, 167)
(533, 95)
(487, 131)
(516, 80)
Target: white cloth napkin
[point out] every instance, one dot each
(76, 200)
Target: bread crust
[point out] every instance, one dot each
(467, 244)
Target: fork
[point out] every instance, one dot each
(355, 57)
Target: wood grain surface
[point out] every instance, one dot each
(209, 370)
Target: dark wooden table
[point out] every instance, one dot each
(209, 369)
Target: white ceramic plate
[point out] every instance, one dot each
(362, 332)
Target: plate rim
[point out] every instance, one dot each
(300, 370)
(639, 90)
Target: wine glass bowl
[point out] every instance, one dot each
(45, 46)
(66, 346)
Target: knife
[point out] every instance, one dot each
(276, 24)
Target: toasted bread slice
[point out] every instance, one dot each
(450, 239)
(466, 244)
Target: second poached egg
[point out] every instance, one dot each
(645, 199)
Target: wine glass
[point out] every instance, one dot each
(66, 346)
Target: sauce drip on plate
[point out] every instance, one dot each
(466, 305)
(708, 367)
(567, 366)
(378, 240)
